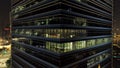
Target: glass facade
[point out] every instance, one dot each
(65, 47)
(52, 33)
(96, 59)
(79, 21)
(26, 5)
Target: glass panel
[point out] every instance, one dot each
(52, 33)
(96, 59)
(70, 46)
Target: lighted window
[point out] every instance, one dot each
(15, 16)
(80, 21)
(99, 66)
(22, 31)
(96, 59)
(28, 32)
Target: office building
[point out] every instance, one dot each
(61, 33)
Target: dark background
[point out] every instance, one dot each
(116, 16)
(116, 27)
(4, 15)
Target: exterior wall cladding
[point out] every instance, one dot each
(61, 33)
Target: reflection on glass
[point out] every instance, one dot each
(96, 59)
(65, 47)
(22, 7)
(53, 33)
(57, 20)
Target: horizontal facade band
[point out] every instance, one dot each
(108, 2)
(51, 33)
(22, 61)
(62, 55)
(28, 1)
(34, 59)
(86, 10)
(88, 6)
(44, 4)
(15, 64)
(92, 66)
(41, 4)
(86, 49)
(87, 16)
(42, 7)
(15, 2)
(63, 26)
(50, 53)
(61, 40)
(60, 11)
(102, 5)
(110, 7)
(108, 50)
(57, 55)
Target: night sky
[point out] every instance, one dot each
(116, 16)
(4, 13)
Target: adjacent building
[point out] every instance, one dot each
(61, 33)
